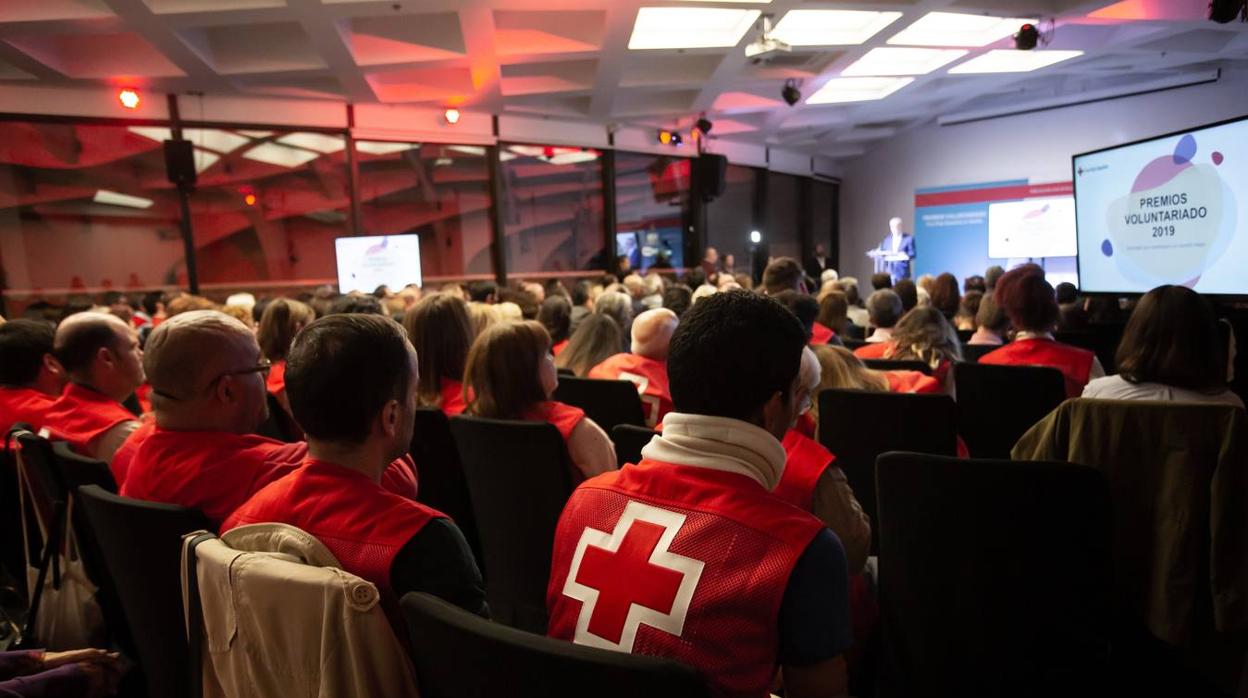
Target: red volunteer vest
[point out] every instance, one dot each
(564, 417)
(911, 382)
(806, 425)
(648, 375)
(81, 415)
(453, 397)
(681, 562)
(276, 381)
(821, 334)
(804, 465)
(558, 347)
(120, 465)
(25, 405)
(874, 350)
(1074, 363)
(361, 523)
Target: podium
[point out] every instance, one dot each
(883, 258)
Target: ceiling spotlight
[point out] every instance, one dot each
(704, 124)
(1027, 37)
(129, 98)
(790, 93)
(452, 116)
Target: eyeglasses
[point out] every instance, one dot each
(262, 367)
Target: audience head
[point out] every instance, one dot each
(828, 275)
(783, 274)
(809, 375)
(483, 291)
(991, 317)
(241, 314)
(207, 373)
(596, 339)
(737, 354)
(322, 300)
(507, 311)
(923, 334)
(1066, 293)
(257, 310)
(677, 299)
(26, 359)
(849, 286)
(351, 380)
(991, 276)
(536, 290)
(803, 306)
(833, 311)
(281, 321)
(745, 281)
(945, 295)
(841, 370)
(884, 308)
(100, 351)
(927, 282)
(509, 370)
(908, 293)
(974, 283)
(881, 280)
(1027, 299)
(556, 316)
(153, 303)
(652, 332)
(635, 285)
(711, 256)
(440, 331)
(1173, 338)
(116, 303)
(357, 304)
(243, 300)
(618, 307)
(481, 315)
(580, 294)
(694, 278)
(186, 302)
(969, 308)
(703, 291)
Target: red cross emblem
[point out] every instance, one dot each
(629, 577)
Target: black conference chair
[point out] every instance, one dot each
(897, 365)
(606, 402)
(857, 426)
(1101, 339)
(998, 404)
(142, 547)
(854, 332)
(519, 477)
(852, 344)
(964, 336)
(442, 483)
(460, 655)
(971, 353)
(984, 590)
(629, 440)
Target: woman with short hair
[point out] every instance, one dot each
(439, 328)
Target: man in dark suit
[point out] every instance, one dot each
(898, 242)
(817, 263)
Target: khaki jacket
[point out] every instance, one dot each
(281, 621)
(1178, 475)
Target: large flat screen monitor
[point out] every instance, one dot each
(1167, 210)
(364, 263)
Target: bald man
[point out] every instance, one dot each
(100, 354)
(209, 397)
(646, 366)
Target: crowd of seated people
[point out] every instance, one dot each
(728, 375)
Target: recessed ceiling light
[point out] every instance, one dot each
(474, 150)
(112, 198)
(314, 141)
(382, 147)
(903, 61)
(1012, 61)
(857, 89)
(690, 27)
(954, 29)
(573, 158)
(280, 155)
(831, 27)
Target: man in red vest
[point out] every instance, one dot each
(30, 376)
(646, 366)
(688, 554)
(101, 355)
(352, 382)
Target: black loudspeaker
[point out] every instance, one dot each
(1223, 11)
(180, 162)
(709, 171)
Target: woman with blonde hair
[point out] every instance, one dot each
(511, 374)
(595, 340)
(841, 369)
(923, 334)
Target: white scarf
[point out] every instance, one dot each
(719, 443)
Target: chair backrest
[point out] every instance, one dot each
(857, 426)
(897, 365)
(606, 402)
(964, 336)
(519, 478)
(998, 404)
(854, 332)
(852, 344)
(984, 589)
(142, 547)
(1102, 339)
(972, 352)
(629, 440)
(442, 483)
(460, 655)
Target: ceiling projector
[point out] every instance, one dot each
(766, 46)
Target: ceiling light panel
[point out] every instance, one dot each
(690, 27)
(112, 198)
(1012, 61)
(903, 61)
(280, 155)
(314, 141)
(838, 90)
(831, 27)
(954, 29)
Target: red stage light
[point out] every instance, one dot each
(129, 98)
(250, 199)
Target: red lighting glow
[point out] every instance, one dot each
(129, 98)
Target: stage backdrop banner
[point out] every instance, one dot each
(951, 227)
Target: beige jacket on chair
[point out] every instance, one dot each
(281, 621)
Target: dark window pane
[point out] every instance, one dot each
(652, 209)
(730, 217)
(552, 209)
(781, 233)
